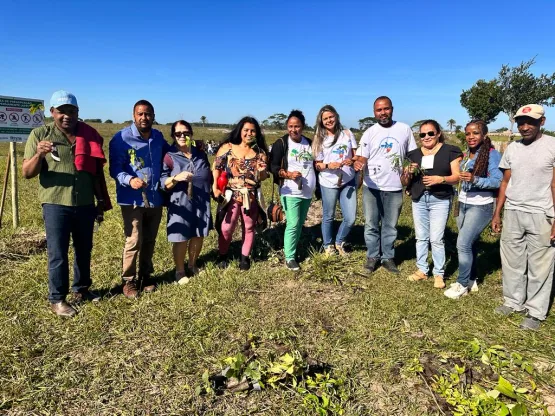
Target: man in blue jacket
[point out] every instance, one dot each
(136, 154)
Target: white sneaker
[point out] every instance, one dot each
(456, 291)
(474, 287)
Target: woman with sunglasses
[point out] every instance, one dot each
(334, 149)
(480, 178)
(243, 158)
(186, 177)
(433, 171)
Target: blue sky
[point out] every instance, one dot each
(226, 59)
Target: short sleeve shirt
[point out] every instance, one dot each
(299, 159)
(337, 152)
(441, 167)
(531, 165)
(385, 148)
(60, 182)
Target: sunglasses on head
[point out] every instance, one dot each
(430, 133)
(182, 134)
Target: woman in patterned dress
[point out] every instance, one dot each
(243, 157)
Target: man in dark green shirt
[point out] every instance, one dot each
(67, 196)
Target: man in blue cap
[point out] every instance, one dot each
(68, 158)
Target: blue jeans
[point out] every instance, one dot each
(347, 196)
(384, 206)
(60, 223)
(430, 218)
(471, 222)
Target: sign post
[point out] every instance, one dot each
(18, 116)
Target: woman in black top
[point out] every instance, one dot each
(433, 171)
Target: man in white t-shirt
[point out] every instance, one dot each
(527, 241)
(380, 155)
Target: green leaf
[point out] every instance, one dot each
(287, 359)
(506, 388)
(517, 410)
(503, 410)
(493, 393)
(485, 359)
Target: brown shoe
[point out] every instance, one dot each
(63, 309)
(439, 282)
(130, 290)
(417, 276)
(147, 285)
(85, 296)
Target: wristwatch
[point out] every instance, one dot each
(443, 179)
(173, 180)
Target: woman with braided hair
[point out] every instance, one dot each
(480, 178)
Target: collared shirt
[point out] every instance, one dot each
(132, 156)
(60, 182)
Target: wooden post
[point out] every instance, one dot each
(5, 188)
(15, 207)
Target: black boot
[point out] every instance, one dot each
(245, 263)
(222, 261)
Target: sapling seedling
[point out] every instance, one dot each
(464, 168)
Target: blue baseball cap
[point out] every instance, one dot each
(62, 97)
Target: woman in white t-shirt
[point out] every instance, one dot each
(292, 165)
(334, 149)
(480, 179)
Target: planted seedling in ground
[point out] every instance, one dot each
(265, 364)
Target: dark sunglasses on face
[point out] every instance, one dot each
(182, 134)
(430, 133)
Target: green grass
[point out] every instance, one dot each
(148, 356)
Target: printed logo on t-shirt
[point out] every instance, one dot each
(304, 156)
(340, 151)
(388, 143)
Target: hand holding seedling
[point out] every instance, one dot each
(44, 147)
(183, 176)
(466, 176)
(294, 175)
(347, 162)
(412, 169)
(359, 165)
(496, 224)
(137, 183)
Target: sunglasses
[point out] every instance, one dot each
(430, 133)
(182, 134)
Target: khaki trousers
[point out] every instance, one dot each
(527, 258)
(140, 226)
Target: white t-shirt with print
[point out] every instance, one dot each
(338, 152)
(299, 158)
(379, 145)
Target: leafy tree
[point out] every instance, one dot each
(520, 87)
(203, 120)
(366, 122)
(483, 100)
(416, 124)
(93, 120)
(108, 121)
(458, 128)
(501, 130)
(277, 120)
(451, 123)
